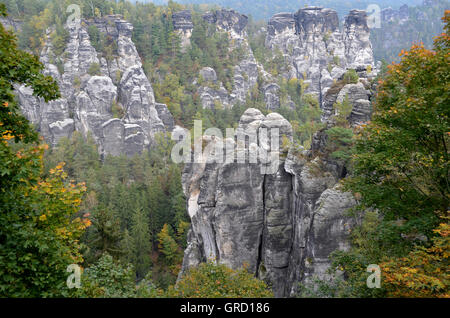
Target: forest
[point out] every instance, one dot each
(124, 219)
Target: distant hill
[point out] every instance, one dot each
(264, 9)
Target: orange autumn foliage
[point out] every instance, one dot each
(425, 272)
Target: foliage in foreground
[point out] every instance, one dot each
(424, 272)
(39, 229)
(217, 280)
(108, 278)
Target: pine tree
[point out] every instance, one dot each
(142, 242)
(169, 249)
(105, 235)
(127, 246)
(159, 206)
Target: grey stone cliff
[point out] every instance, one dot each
(317, 50)
(182, 24)
(246, 72)
(282, 224)
(112, 99)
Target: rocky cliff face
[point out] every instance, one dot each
(282, 223)
(282, 220)
(315, 46)
(107, 96)
(358, 95)
(245, 73)
(317, 49)
(182, 24)
(229, 21)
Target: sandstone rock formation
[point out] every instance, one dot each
(316, 48)
(229, 21)
(356, 94)
(282, 223)
(286, 222)
(182, 24)
(12, 24)
(211, 91)
(271, 96)
(109, 97)
(245, 73)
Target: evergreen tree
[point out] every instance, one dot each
(142, 242)
(169, 249)
(128, 248)
(105, 233)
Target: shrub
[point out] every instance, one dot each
(336, 60)
(94, 69)
(351, 77)
(110, 278)
(339, 142)
(343, 110)
(117, 110)
(212, 281)
(76, 81)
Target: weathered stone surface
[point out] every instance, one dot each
(315, 48)
(212, 97)
(358, 96)
(358, 49)
(283, 224)
(208, 74)
(281, 22)
(88, 98)
(245, 77)
(246, 72)
(228, 20)
(12, 24)
(113, 135)
(271, 96)
(52, 119)
(182, 24)
(320, 227)
(182, 20)
(165, 116)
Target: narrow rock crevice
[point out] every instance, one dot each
(216, 247)
(261, 237)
